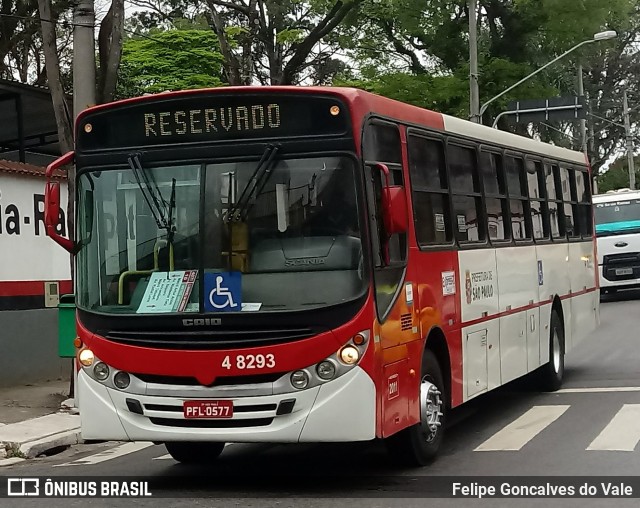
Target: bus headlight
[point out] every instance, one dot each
(121, 380)
(349, 355)
(101, 371)
(326, 370)
(300, 379)
(86, 357)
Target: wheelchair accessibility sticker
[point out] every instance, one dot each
(223, 292)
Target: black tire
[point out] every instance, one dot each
(194, 452)
(552, 374)
(418, 445)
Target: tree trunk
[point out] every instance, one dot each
(231, 64)
(52, 65)
(60, 108)
(110, 49)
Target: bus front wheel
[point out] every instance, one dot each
(194, 452)
(418, 445)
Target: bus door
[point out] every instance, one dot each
(396, 326)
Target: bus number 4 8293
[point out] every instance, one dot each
(249, 361)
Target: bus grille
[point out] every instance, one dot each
(202, 340)
(219, 381)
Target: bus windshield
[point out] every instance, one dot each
(617, 217)
(286, 230)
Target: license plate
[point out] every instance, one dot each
(624, 271)
(208, 409)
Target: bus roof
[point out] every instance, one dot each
(364, 102)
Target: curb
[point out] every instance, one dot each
(34, 448)
(30, 438)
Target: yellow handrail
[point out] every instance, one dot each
(156, 250)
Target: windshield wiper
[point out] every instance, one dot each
(161, 210)
(254, 187)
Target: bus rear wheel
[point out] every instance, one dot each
(194, 452)
(418, 445)
(552, 374)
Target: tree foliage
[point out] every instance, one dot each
(617, 176)
(417, 43)
(177, 59)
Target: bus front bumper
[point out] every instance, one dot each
(343, 409)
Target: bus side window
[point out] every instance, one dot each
(517, 190)
(583, 195)
(430, 193)
(555, 222)
(468, 221)
(535, 181)
(495, 195)
(568, 198)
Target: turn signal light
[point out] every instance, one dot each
(359, 339)
(77, 342)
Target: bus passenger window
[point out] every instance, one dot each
(495, 192)
(429, 191)
(467, 204)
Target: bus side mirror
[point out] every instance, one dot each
(52, 203)
(394, 205)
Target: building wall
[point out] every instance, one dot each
(29, 342)
(34, 270)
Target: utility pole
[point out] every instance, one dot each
(592, 150)
(627, 130)
(84, 96)
(583, 121)
(84, 56)
(474, 94)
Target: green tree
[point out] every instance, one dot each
(617, 176)
(426, 40)
(273, 42)
(176, 59)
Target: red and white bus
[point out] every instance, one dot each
(290, 264)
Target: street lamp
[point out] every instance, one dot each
(600, 36)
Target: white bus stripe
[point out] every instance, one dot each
(112, 453)
(519, 432)
(163, 457)
(622, 433)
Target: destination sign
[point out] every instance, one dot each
(211, 117)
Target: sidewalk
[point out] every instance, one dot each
(35, 419)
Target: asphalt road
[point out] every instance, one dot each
(589, 428)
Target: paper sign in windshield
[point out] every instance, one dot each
(168, 292)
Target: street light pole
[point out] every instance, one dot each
(600, 36)
(627, 129)
(474, 94)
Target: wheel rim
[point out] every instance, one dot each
(431, 409)
(556, 352)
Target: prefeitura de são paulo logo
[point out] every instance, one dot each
(467, 283)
